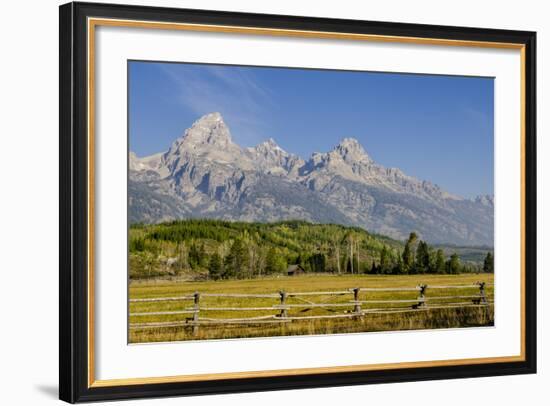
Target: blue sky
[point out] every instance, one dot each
(436, 128)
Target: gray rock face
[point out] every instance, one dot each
(205, 174)
(268, 157)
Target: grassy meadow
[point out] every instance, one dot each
(437, 317)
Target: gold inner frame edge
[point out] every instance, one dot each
(94, 22)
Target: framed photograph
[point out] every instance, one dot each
(257, 202)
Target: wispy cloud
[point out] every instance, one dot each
(233, 91)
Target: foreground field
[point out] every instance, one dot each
(330, 313)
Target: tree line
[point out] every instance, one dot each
(418, 257)
(218, 249)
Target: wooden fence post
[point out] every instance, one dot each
(196, 308)
(421, 297)
(483, 299)
(284, 312)
(357, 307)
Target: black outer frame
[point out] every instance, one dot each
(73, 197)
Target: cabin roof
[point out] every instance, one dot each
(292, 268)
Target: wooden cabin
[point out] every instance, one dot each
(294, 270)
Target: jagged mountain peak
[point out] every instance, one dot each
(269, 157)
(351, 150)
(486, 200)
(210, 140)
(270, 142)
(348, 159)
(270, 146)
(209, 129)
(206, 174)
(349, 142)
(209, 119)
(208, 135)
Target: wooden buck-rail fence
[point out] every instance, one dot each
(352, 309)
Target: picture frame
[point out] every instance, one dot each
(78, 380)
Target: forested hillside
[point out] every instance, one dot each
(214, 249)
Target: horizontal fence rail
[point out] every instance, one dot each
(281, 309)
(163, 299)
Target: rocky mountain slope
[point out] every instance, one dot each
(205, 174)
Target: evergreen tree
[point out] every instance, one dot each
(408, 253)
(236, 262)
(215, 266)
(422, 258)
(431, 260)
(137, 244)
(373, 269)
(398, 268)
(453, 264)
(407, 257)
(317, 262)
(440, 261)
(489, 263)
(194, 256)
(202, 256)
(384, 261)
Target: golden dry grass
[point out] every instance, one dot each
(434, 318)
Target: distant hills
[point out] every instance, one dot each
(204, 174)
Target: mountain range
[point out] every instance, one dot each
(205, 174)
